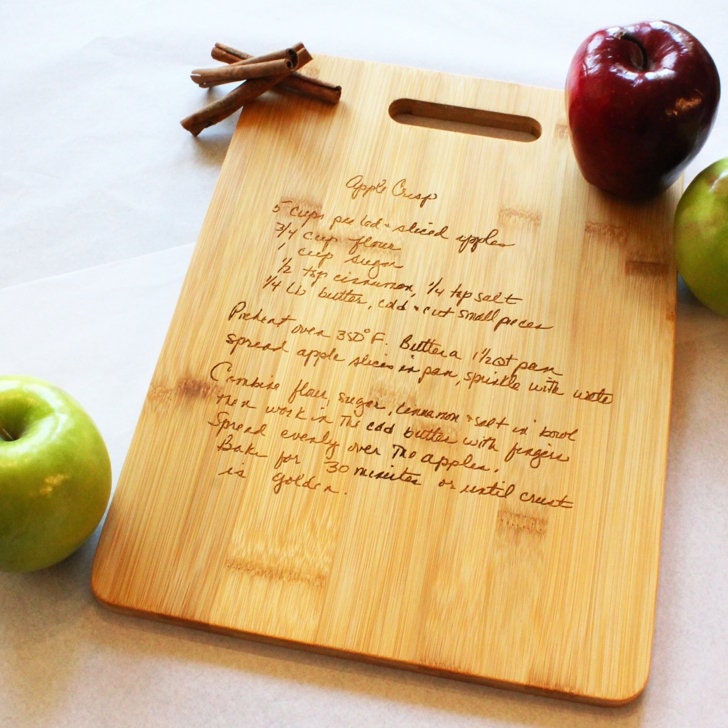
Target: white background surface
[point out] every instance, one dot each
(102, 194)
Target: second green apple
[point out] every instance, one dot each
(701, 236)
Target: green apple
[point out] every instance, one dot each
(55, 474)
(701, 236)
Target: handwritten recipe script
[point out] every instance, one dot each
(342, 368)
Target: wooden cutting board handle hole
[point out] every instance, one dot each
(467, 121)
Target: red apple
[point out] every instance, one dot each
(640, 100)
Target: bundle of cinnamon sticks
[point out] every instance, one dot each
(257, 75)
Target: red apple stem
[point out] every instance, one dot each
(5, 435)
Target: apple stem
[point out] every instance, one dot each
(5, 435)
(639, 54)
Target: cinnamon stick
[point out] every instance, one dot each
(243, 70)
(241, 95)
(295, 82)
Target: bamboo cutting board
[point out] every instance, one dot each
(413, 404)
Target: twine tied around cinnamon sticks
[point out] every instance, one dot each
(258, 75)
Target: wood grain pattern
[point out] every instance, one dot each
(413, 403)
